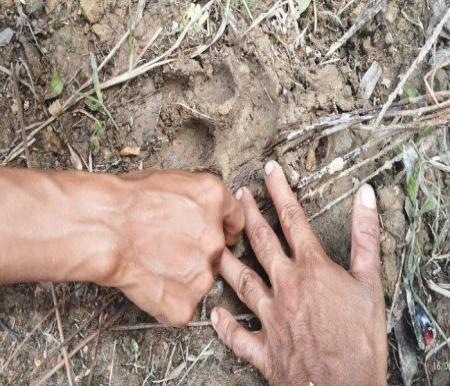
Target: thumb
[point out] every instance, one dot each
(365, 256)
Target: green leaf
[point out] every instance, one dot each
(409, 209)
(95, 81)
(95, 145)
(428, 205)
(398, 150)
(98, 129)
(410, 90)
(92, 103)
(56, 84)
(302, 5)
(412, 188)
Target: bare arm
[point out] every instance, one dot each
(154, 235)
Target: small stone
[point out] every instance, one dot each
(93, 10)
(389, 39)
(5, 36)
(391, 12)
(102, 31)
(52, 4)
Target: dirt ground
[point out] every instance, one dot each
(220, 111)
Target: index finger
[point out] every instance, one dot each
(296, 228)
(233, 218)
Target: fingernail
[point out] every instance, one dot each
(239, 193)
(367, 196)
(214, 317)
(269, 167)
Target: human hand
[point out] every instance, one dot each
(174, 228)
(321, 324)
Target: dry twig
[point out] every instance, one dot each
(422, 54)
(61, 335)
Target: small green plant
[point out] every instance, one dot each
(56, 84)
(95, 103)
(410, 90)
(193, 11)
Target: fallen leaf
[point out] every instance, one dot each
(130, 150)
(75, 159)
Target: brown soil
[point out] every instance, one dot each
(239, 93)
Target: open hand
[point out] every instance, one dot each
(321, 324)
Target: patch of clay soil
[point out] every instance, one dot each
(218, 112)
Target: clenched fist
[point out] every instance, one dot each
(157, 236)
(175, 226)
(321, 324)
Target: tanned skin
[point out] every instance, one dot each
(321, 324)
(161, 237)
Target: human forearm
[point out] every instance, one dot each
(56, 226)
(156, 235)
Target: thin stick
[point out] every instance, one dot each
(169, 364)
(437, 349)
(355, 167)
(396, 292)
(195, 362)
(86, 323)
(149, 326)
(387, 165)
(94, 354)
(346, 6)
(315, 15)
(16, 92)
(149, 44)
(423, 52)
(111, 371)
(25, 340)
(61, 336)
(265, 15)
(365, 16)
(77, 348)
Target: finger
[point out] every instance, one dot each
(295, 225)
(242, 342)
(233, 221)
(245, 282)
(365, 256)
(264, 242)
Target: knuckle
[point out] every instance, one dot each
(367, 234)
(216, 246)
(246, 283)
(184, 315)
(312, 255)
(229, 330)
(290, 213)
(261, 233)
(207, 282)
(212, 187)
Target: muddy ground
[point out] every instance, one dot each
(217, 112)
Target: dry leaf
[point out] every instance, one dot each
(75, 159)
(311, 163)
(133, 150)
(55, 108)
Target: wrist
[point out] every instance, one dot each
(94, 239)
